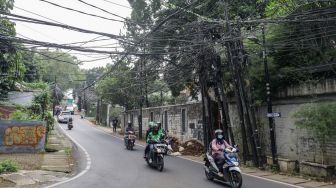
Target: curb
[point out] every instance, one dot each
(88, 160)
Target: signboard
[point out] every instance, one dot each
(274, 114)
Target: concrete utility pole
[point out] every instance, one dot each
(269, 101)
(54, 99)
(141, 102)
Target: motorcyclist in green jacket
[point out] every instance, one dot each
(154, 136)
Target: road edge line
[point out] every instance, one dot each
(88, 161)
(199, 162)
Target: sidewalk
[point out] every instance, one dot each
(298, 181)
(39, 170)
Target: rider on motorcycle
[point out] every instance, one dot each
(150, 126)
(218, 145)
(127, 130)
(154, 136)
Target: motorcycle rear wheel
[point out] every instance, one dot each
(236, 179)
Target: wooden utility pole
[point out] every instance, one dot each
(235, 53)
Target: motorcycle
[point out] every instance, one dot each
(130, 140)
(231, 170)
(155, 157)
(70, 124)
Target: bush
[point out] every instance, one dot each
(36, 85)
(8, 166)
(319, 118)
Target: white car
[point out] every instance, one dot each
(64, 117)
(70, 109)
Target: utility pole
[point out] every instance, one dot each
(232, 59)
(141, 102)
(84, 98)
(54, 100)
(269, 101)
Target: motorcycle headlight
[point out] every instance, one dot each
(236, 163)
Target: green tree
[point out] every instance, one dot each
(120, 87)
(60, 66)
(11, 69)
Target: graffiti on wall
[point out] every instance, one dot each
(23, 135)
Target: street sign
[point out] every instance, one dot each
(274, 114)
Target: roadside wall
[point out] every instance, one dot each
(182, 121)
(292, 143)
(22, 136)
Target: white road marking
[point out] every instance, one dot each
(274, 181)
(279, 182)
(88, 162)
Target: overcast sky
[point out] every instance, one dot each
(63, 36)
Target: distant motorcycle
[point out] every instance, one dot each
(70, 124)
(130, 140)
(155, 157)
(231, 170)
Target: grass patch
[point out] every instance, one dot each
(8, 166)
(67, 151)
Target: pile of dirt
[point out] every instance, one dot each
(191, 147)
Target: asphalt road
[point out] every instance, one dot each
(114, 166)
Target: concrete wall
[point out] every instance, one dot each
(292, 143)
(193, 120)
(22, 136)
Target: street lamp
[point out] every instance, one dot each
(268, 94)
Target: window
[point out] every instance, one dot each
(183, 120)
(152, 116)
(166, 120)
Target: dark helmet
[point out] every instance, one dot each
(219, 135)
(159, 124)
(129, 124)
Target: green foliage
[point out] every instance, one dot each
(50, 120)
(64, 68)
(120, 88)
(319, 118)
(36, 85)
(68, 151)
(8, 166)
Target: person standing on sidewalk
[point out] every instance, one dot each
(114, 124)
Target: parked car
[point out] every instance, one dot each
(64, 117)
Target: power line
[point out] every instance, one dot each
(117, 4)
(82, 12)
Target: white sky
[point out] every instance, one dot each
(62, 36)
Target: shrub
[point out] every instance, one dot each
(320, 118)
(8, 166)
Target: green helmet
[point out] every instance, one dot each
(151, 124)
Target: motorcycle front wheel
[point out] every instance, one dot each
(236, 179)
(208, 174)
